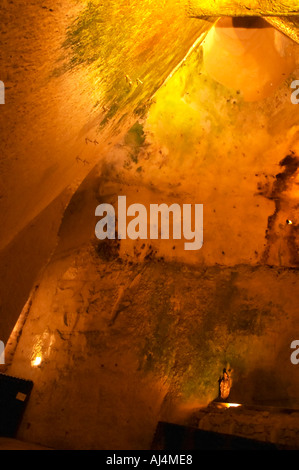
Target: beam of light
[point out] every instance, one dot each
(36, 361)
(251, 57)
(228, 405)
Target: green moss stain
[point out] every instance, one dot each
(134, 140)
(214, 326)
(128, 49)
(135, 137)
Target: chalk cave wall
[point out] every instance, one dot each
(130, 332)
(72, 89)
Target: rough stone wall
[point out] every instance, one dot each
(128, 338)
(131, 332)
(61, 110)
(275, 425)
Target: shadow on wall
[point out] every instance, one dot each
(261, 387)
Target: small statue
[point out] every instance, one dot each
(225, 384)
